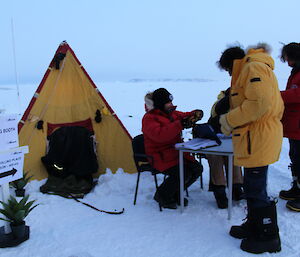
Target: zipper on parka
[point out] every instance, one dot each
(249, 142)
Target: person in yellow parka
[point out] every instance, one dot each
(256, 108)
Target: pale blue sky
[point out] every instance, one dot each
(124, 39)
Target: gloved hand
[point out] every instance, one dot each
(187, 122)
(225, 127)
(190, 121)
(198, 115)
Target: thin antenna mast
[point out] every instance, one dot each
(15, 63)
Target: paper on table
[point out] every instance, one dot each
(197, 143)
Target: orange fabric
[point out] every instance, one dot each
(68, 96)
(256, 110)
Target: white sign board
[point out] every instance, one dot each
(9, 131)
(11, 156)
(11, 166)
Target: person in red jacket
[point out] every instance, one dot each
(291, 122)
(162, 127)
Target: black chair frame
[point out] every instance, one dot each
(144, 163)
(143, 166)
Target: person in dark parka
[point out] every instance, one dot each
(290, 53)
(218, 164)
(162, 127)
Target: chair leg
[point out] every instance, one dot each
(156, 185)
(201, 181)
(187, 192)
(201, 177)
(137, 187)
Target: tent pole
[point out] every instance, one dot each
(15, 63)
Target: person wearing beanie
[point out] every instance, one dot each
(160, 97)
(290, 53)
(256, 108)
(162, 128)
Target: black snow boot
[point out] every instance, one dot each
(185, 202)
(293, 205)
(177, 199)
(220, 195)
(264, 235)
(237, 192)
(165, 203)
(242, 231)
(292, 193)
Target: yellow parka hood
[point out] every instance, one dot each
(253, 55)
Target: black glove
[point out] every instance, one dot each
(198, 115)
(187, 122)
(214, 122)
(222, 106)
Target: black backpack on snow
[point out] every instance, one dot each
(70, 161)
(71, 151)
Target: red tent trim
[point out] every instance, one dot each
(84, 123)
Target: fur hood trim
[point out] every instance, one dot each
(267, 48)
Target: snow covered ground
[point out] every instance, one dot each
(63, 228)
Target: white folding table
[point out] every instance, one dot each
(225, 149)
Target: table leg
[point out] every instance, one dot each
(181, 178)
(230, 170)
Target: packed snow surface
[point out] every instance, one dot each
(61, 227)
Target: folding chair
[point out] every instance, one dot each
(142, 163)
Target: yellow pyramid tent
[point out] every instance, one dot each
(67, 96)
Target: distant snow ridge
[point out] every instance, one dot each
(6, 88)
(137, 80)
(83, 254)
